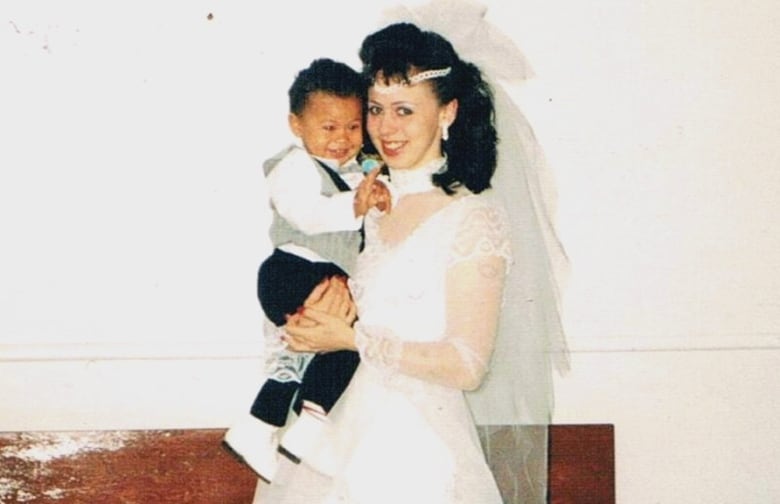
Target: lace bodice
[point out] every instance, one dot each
(428, 302)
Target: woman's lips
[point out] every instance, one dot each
(392, 148)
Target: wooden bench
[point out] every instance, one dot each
(190, 466)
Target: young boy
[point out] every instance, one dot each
(316, 231)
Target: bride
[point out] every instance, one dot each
(428, 291)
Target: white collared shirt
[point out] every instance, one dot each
(294, 187)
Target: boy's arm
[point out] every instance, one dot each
(372, 193)
(294, 188)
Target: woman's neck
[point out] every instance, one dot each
(416, 180)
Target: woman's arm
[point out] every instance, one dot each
(461, 358)
(474, 294)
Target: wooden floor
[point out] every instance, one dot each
(190, 466)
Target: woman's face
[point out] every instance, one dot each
(404, 123)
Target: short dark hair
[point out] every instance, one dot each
(327, 76)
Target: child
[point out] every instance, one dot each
(318, 205)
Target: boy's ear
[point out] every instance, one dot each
(295, 124)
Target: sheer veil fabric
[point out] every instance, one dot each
(514, 405)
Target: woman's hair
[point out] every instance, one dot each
(326, 76)
(402, 50)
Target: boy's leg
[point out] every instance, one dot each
(272, 403)
(285, 280)
(254, 438)
(325, 379)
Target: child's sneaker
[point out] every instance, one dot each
(255, 443)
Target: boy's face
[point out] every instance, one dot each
(330, 126)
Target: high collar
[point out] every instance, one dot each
(416, 180)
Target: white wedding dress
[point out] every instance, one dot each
(428, 296)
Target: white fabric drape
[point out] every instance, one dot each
(516, 401)
(428, 300)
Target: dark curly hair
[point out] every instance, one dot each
(327, 76)
(403, 49)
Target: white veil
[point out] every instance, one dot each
(514, 406)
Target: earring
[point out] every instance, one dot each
(445, 134)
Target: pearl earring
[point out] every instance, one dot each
(445, 134)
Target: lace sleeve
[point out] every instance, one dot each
(477, 264)
(378, 347)
(482, 233)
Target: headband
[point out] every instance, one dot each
(414, 79)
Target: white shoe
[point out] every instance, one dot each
(255, 443)
(299, 439)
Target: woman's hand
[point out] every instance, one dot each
(324, 323)
(312, 330)
(332, 296)
(372, 193)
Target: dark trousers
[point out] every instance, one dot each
(283, 284)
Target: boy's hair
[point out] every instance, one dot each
(327, 76)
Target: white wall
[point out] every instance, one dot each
(132, 216)
(661, 120)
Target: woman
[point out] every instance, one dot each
(428, 289)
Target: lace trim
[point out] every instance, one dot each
(283, 365)
(379, 348)
(288, 366)
(483, 232)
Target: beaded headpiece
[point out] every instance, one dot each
(383, 87)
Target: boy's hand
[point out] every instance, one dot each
(371, 193)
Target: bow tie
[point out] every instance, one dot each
(351, 167)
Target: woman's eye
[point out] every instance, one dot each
(404, 111)
(374, 110)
